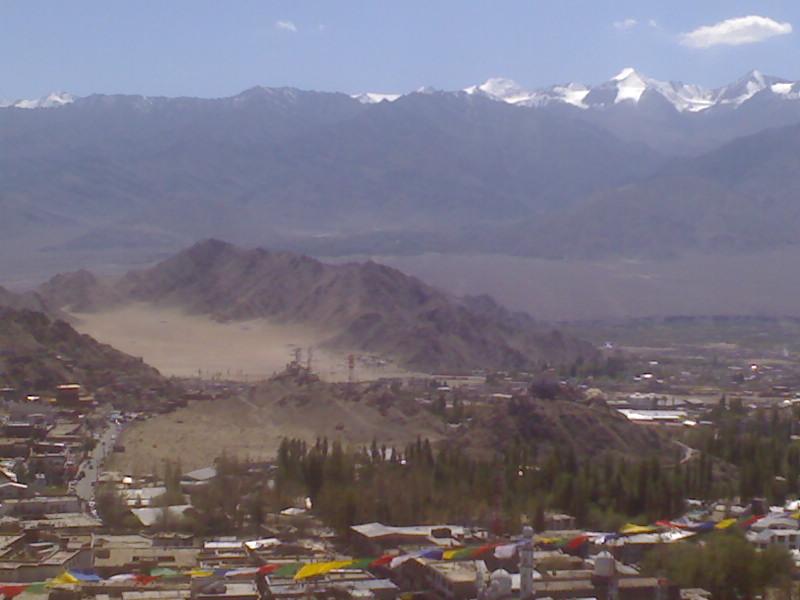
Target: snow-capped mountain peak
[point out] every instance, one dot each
(500, 88)
(748, 86)
(508, 90)
(626, 73)
(375, 97)
(52, 100)
(630, 85)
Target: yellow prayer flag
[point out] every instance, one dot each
(315, 569)
(725, 523)
(64, 578)
(632, 528)
(200, 573)
(546, 540)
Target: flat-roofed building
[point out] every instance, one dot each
(38, 568)
(41, 505)
(375, 538)
(114, 561)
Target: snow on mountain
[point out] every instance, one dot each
(629, 87)
(748, 86)
(684, 97)
(374, 97)
(571, 93)
(786, 90)
(499, 88)
(507, 90)
(53, 100)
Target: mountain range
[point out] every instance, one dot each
(633, 87)
(752, 102)
(632, 167)
(363, 307)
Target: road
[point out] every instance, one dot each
(689, 453)
(84, 488)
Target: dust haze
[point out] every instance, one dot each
(183, 345)
(763, 284)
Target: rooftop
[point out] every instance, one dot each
(455, 571)
(63, 521)
(120, 557)
(121, 541)
(203, 474)
(150, 516)
(377, 530)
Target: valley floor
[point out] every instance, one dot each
(764, 284)
(184, 345)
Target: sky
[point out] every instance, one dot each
(218, 48)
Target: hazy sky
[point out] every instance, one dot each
(217, 48)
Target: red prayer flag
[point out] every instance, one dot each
(267, 569)
(576, 543)
(382, 561)
(481, 550)
(11, 591)
(663, 523)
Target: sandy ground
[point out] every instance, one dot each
(253, 428)
(190, 345)
(195, 436)
(187, 345)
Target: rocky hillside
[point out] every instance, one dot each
(300, 403)
(25, 301)
(588, 430)
(296, 404)
(38, 353)
(363, 307)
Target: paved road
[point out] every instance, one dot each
(91, 467)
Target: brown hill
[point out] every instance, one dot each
(38, 353)
(363, 307)
(26, 301)
(78, 291)
(294, 404)
(589, 430)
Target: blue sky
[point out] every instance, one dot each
(217, 48)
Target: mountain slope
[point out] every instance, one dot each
(363, 307)
(286, 161)
(739, 198)
(671, 117)
(39, 353)
(564, 171)
(24, 301)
